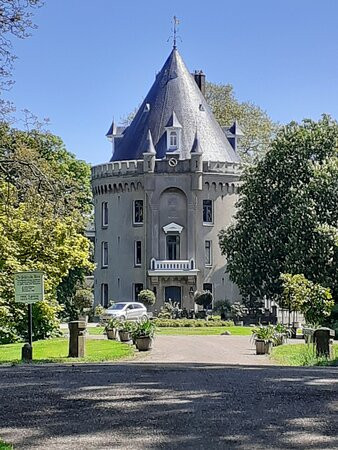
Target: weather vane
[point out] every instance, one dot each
(175, 36)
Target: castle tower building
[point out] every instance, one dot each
(170, 187)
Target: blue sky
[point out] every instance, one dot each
(90, 61)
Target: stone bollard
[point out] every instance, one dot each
(77, 339)
(27, 353)
(323, 342)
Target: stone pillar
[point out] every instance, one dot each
(323, 341)
(77, 339)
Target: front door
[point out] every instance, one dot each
(173, 293)
(173, 247)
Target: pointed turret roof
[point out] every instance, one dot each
(149, 148)
(175, 96)
(196, 147)
(173, 121)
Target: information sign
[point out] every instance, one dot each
(28, 287)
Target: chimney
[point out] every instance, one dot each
(199, 77)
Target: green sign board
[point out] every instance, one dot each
(28, 287)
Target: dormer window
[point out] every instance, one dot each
(173, 139)
(174, 130)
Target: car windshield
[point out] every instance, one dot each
(117, 306)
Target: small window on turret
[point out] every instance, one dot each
(173, 139)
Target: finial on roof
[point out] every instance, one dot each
(175, 36)
(196, 147)
(149, 144)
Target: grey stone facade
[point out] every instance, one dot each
(158, 215)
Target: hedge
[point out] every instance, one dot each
(192, 323)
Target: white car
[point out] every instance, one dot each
(126, 311)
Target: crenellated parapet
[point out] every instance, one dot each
(170, 165)
(113, 169)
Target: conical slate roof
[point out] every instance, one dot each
(175, 96)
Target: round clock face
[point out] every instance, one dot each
(172, 162)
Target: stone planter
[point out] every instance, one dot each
(125, 336)
(263, 347)
(112, 334)
(260, 346)
(144, 344)
(268, 347)
(280, 340)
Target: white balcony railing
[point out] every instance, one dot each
(172, 266)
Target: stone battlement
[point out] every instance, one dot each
(136, 167)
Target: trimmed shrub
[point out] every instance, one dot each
(190, 323)
(147, 297)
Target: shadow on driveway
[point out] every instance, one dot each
(168, 406)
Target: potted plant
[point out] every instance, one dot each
(112, 328)
(282, 332)
(264, 338)
(82, 302)
(143, 335)
(125, 331)
(238, 310)
(204, 299)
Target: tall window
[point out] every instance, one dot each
(104, 254)
(173, 247)
(104, 214)
(207, 211)
(138, 287)
(208, 253)
(173, 139)
(104, 295)
(138, 212)
(138, 253)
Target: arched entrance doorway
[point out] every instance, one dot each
(173, 293)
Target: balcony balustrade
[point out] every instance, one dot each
(172, 267)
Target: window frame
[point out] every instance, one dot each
(104, 210)
(134, 213)
(208, 252)
(211, 206)
(134, 289)
(173, 137)
(136, 263)
(104, 254)
(104, 290)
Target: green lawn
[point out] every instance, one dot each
(4, 446)
(190, 331)
(301, 355)
(56, 350)
(203, 331)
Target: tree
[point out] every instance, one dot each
(287, 214)
(256, 125)
(313, 300)
(44, 203)
(147, 297)
(15, 22)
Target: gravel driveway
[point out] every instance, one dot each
(206, 349)
(171, 405)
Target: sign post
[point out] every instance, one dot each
(29, 289)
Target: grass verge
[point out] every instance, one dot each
(56, 351)
(203, 331)
(302, 355)
(4, 446)
(189, 331)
